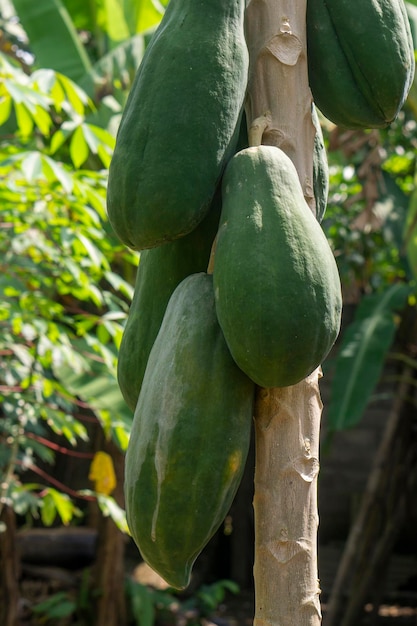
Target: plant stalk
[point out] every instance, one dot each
(279, 101)
(285, 505)
(287, 420)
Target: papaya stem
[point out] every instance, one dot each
(287, 420)
(278, 81)
(258, 128)
(285, 505)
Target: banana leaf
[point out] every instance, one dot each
(119, 65)
(362, 353)
(53, 38)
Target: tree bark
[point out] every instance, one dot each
(287, 420)
(9, 570)
(285, 504)
(278, 107)
(108, 573)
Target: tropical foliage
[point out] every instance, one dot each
(66, 281)
(368, 222)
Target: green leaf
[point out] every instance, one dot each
(57, 606)
(119, 284)
(99, 141)
(110, 508)
(143, 14)
(76, 96)
(78, 148)
(5, 108)
(142, 604)
(83, 14)
(24, 500)
(63, 505)
(24, 120)
(58, 139)
(93, 252)
(48, 510)
(361, 356)
(42, 120)
(55, 171)
(116, 26)
(32, 166)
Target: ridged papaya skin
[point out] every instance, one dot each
(277, 287)
(180, 124)
(360, 60)
(160, 270)
(190, 435)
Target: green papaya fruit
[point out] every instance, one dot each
(180, 124)
(160, 270)
(320, 169)
(190, 435)
(277, 287)
(360, 60)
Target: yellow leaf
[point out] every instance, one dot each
(102, 473)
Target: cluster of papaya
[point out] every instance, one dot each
(236, 287)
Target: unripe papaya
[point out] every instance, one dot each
(180, 124)
(277, 288)
(160, 270)
(360, 60)
(190, 435)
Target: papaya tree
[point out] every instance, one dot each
(287, 420)
(272, 192)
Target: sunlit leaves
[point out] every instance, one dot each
(118, 19)
(110, 508)
(63, 301)
(144, 14)
(55, 256)
(56, 503)
(55, 107)
(46, 503)
(85, 139)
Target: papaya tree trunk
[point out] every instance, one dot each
(285, 505)
(287, 420)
